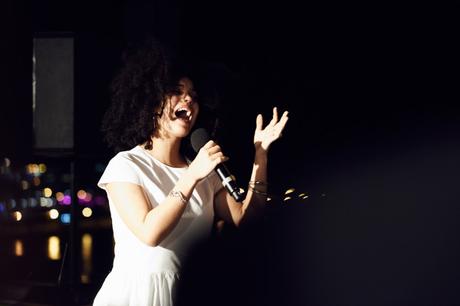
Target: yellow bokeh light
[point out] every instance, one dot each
(289, 191)
(86, 251)
(42, 168)
(18, 247)
(47, 192)
(287, 198)
(53, 213)
(17, 215)
(87, 212)
(54, 248)
(81, 194)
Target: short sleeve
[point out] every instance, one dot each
(120, 169)
(215, 182)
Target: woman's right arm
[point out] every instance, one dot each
(151, 226)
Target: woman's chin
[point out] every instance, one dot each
(181, 132)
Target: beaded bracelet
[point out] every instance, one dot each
(257, 191)
(177, 194)
(258, 183)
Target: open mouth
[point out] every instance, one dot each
(184, 114)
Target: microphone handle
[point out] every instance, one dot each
(229, 182)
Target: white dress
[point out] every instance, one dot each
(142, 274)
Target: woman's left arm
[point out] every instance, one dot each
(226, 206)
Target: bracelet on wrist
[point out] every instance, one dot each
(255, 183)
(257, 191)
(177, 194)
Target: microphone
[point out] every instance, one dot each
(198, 139)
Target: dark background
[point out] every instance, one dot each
(372, 92)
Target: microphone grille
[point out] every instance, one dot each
(199, 138)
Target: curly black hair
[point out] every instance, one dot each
(150, 73)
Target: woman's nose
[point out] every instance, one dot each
(187, 99)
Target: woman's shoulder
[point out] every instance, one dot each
(134, 155)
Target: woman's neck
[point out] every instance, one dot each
(167, 151)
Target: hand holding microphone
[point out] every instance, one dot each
(211, 157)
(208, 157)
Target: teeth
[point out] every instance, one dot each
(187, 111)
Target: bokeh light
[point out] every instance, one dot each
(53, 214)
(24, 185)
(59, 196)
(54, 248)
(67, 200)
(87, 212)
(36, 181)
(18, 248)
(47, 192)
(81, 194)
(17, 215)
(42, 168)
(65, 218)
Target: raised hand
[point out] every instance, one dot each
(264, 137)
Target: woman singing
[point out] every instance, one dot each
(160, 201)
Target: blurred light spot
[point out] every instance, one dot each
(7, 162)
(84, 278)
(289, 191)
(81, 194)
(24, 185)
(33, 169)
(17, 215)
(59, 196)
(65, 218)
(36, 181)
(269, 199)
(47, 192)
(46, 202)
(67, 200)
(303, 196)
(86, 252)
(18, 247)
(23, 203)
(54, 214)
(32, 202)
(42, 168)
(88, 197)
(323, 195)
(287, 198)
(54, 249)
(2, 207)
(87, 212)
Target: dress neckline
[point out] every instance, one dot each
(157, 161)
